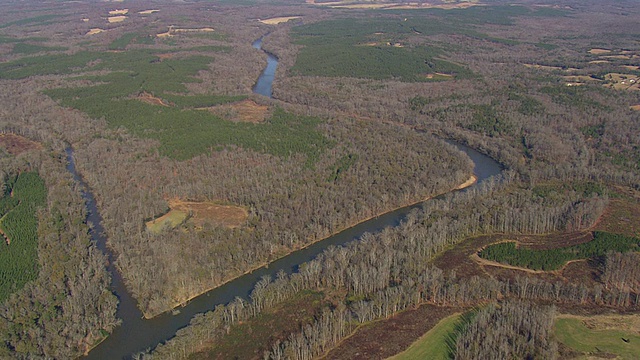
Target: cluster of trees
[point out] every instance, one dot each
(67, 306)
(386, 272)
(23, 195)
(553, 259)
(513, 329)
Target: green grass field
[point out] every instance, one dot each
(432, 345)
(573, 333)
(172, 219)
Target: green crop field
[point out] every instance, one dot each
(574, 334)
(554, 259)
(434, 344)
(19, 258)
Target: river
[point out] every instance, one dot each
(137, 334)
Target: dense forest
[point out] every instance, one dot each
(153, 98)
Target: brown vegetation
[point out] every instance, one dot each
(16, 144)
(150, 99)
(208, 212)
(243, 111)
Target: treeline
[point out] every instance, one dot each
(509, 330)
(387, 272)
(68, 307)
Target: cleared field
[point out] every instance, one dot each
(16, 144)
(169, 220)
(148, 98)
(600, 335)
(597, 51)
(147, 12)
(242, 111)
(119, 12)
(619, 81)
(94, 31)
(116, 19)
(199, 214)
(278, 20)
(433, 344)
(635, 107)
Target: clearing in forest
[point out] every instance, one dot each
(94, 31)
(433, 344)
(622, 81)
(116, 19)
(635, 107)
(199, 213)
(599, 51)
(119, 12)
(600, 335)
(242, 111)
(278, 20)
(150, 99)
(16, 144)
(147, 12)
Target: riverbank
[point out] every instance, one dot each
(150, 315)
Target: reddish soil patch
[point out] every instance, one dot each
(635, 107)
(16, 144)
(242, 111)
(203, 212)
(150, 99)
(385, 338)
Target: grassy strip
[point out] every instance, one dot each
(554, 259)
(19, 259)
(574, 334)
(434, 344)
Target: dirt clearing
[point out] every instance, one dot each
(597, 51)
(94, 31)
(278, 20)
(116, 19)
(635, 107)
(147, 12)
(242, 111)
(199, 213)
(119, 12)
(148, 98)
(16, 144)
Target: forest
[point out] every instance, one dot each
(156, 101)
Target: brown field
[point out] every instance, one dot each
(631, 67)
(242, 111)
(619, 57)
(622, 81)
(278, 20)
(609, 322)
(388, 337)
(94, 31)
(147, 12)
(635, 107)
(150, 99)
(393, 6)
(116, 19)
(597, 51)
(599, 62)
(16, 144)
(119, 12)
(204, 212)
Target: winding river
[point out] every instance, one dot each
(137, 334)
